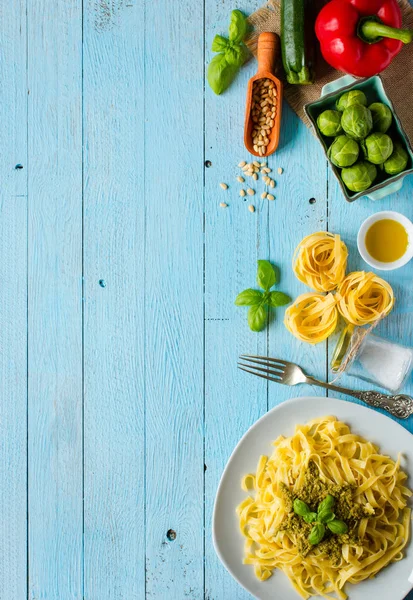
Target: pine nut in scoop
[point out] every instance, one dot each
(264, 100)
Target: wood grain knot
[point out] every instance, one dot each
(312, 200)
(208, 164)
(171, 535)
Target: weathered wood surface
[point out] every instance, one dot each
(119, 337)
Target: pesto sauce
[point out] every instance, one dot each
(312, 492)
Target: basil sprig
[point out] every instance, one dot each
(232, 53)
(324, 517)
(257, 300)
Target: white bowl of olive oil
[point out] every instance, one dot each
(385, 240)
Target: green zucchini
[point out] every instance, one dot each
(297, 41)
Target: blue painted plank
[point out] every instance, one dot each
(174, 298)
(114, 201)
(13, 304)
(234, 239)
(55, 299)
(303, 179)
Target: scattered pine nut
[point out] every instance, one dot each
(279, 170)
(240, 179)
(272, 183)
(270, 197)
(266, 170)
(242, 164)
(224, 186)
(251, 208)
(250, 192)
(242, 193)
(256, 163)
(223, 205)
(263, 164)
(264, 195)
(255, 176)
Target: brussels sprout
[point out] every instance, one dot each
(329, 123)
(359, 177)
(343, 152)
(377, 147)
(351, 97)
(382, 116)
(357, 121)
(397, 162)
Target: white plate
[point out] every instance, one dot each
(393, 582)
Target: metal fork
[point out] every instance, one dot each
(287, 373)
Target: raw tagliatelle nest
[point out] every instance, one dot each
(312, 317)
(361, 299)
(320, 261)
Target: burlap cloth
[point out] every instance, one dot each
(397, 78)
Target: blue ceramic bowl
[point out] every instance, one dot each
(374, 90)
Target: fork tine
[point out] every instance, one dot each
(267, 358)
(268, 371)
(259, 375)
(265, 362)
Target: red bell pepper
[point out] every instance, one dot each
(361, 37)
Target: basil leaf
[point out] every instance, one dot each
(246, 54)
(235, 55)
(257, 317)
(328, 502)
(249, 297)
(266, 277)
(278, 299)
(237, 27)
(310, 517)
(220, 73)
(317, 534)
(219, 43)
(337, 526)
(325, 516)
(300, 507)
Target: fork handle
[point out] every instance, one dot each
(400, 406)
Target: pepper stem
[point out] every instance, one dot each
(372, 30)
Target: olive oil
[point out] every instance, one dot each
(386, 240)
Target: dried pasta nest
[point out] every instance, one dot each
(312, 317)
(320, 261)
(363, 298)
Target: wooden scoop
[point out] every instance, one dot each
(267, 51)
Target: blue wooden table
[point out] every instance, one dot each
(121, 400)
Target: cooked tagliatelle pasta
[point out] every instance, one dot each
(364, 297)
(312, 317)
(320, 261)
(324, 459)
